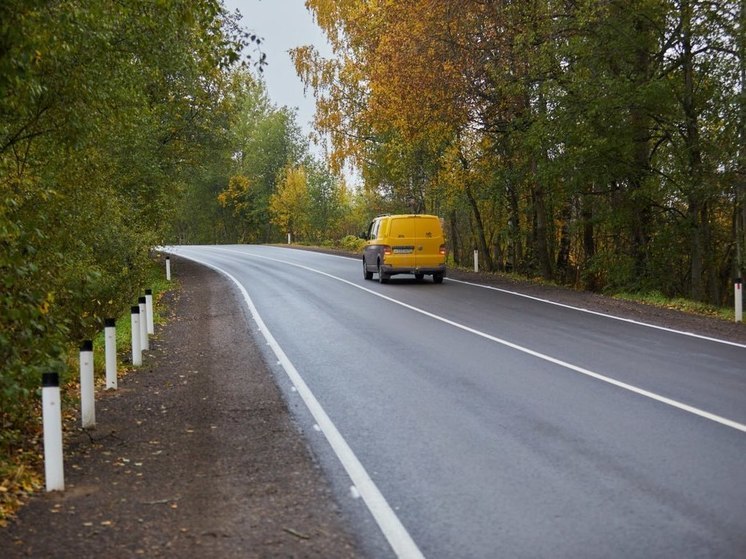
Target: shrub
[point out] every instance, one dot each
(352, 243)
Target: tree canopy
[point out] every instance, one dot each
(595, 143)
(107, 111)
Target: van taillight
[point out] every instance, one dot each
(386, 250)
(443, 250)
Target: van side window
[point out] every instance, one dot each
(374, 226)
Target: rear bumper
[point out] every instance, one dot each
(427, 270)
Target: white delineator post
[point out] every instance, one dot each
(149, 309)
(738, 297)
(476, 260)
(136, 348)
(168, 268)
(110, 337)
(144, 342)
(289, 238)
(87, 388)
(54, 470)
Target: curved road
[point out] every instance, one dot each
(477, 423)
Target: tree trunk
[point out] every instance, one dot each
(455, 243)
(589, 242)
(541, 246)
(640, 123)
(563, 254)
(698, 207)
(516, 243)
(739, 224)
(481, 238)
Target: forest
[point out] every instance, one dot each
(125, 126)
(111, 113)
(598, 144)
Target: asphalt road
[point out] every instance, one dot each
(471, 422)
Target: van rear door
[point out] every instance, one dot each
(427, 242)
(401, 235)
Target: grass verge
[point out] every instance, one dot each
(657, 299)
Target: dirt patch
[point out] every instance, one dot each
(195, 455)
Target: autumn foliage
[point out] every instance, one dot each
(108, 110)
(594, 143)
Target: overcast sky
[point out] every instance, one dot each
(283, 24)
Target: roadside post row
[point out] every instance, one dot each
(143, 326)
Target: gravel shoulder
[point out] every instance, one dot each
(197, 455)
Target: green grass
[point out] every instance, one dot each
(653, 298)
(657, 299)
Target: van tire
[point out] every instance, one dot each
(437, 278)
(419, 277)
(366, 274)
(382, 278)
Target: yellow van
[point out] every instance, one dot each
(405, 244)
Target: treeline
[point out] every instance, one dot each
(263, 184)
(600, 144)
(108, 112)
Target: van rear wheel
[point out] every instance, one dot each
(382, 277)
(366, 274)
(419, 277)
(437, 278)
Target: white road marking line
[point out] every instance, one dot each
(581, 309)
(566, 306)
(629, 387)
(394, 531)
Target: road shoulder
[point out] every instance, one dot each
(196, 454)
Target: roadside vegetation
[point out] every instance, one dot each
(657, 299)
(21, 465)
(107, 112)
(595, 144)
(598, 145)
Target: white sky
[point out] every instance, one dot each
(283, 25)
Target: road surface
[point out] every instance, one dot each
(461, 421)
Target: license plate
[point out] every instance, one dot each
(402, 250)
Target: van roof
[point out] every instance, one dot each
(410, 215)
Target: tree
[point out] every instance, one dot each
(290, 204)
(329, 204)
(105, 109)
(593, 141)
(265, 140)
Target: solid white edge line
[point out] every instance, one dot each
(566, 306)
(629, 387)
(394, 531)
(580, 309)
(605, 315)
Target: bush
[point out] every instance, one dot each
(352, 243)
